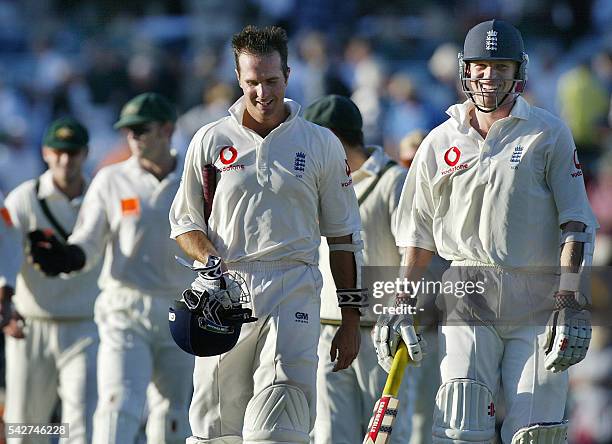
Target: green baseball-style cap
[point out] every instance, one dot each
(66, 133)
(334, 111)
(145, 108)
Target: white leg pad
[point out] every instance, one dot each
(464, 413)
(549, 433)
(279, 414)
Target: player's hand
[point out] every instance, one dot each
(6, 295)
(347, 340)
(388, 331)
(14, 328)
(52, 257)
(220, 294)
(568, 334)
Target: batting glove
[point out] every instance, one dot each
(388, 331)
(568, 333)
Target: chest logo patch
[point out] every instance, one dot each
(299, 163)
(228, 155)
(130, 206)
(516, 156)
(452, 156)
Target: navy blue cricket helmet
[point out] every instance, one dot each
(196, 334)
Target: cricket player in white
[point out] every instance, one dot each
(498, 188)
(55, 354)
(11, 255)
(345, 399)
(124, 220)
(283, 183)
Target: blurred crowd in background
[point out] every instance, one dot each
(396, 59)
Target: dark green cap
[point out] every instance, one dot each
(145, 108)
(334, 111)
(66, 133)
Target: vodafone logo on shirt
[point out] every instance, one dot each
(452, 156)
(578, 171)
(228, 155)
(349, 182)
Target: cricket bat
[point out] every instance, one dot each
(385, 410)
(209, 186)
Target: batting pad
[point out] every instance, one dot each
(381, 423)
(548, 433)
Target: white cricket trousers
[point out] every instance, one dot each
(280, 350)
(55, 358)
(509, 352)
(345, 399)
(138, 361)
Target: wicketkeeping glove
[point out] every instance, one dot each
(387, 333)
(52, 256)
(568, 334)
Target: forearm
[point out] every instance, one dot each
(196, 245)
(572, 252)
(344, 271)
(574, 282)
(415, 261)
(342, 263)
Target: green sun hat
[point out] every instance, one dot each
(336, 112)
(66, 133)
(145, 108)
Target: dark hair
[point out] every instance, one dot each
(351, 138)
(261, 41)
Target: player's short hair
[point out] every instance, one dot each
(351, 138)
(261, 42)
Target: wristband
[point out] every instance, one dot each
(352, 297)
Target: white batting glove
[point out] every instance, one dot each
(222, 287)
(568, 334)
(388, 331)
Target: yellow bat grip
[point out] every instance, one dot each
(394, 380)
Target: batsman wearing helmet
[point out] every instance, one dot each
(497, 189)
(282, 183)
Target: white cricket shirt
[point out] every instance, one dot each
(36, 295)
(275, 196)
(498, 200)
(378, 214)
(125, 218)
(10, 248)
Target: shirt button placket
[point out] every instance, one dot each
(262, 163)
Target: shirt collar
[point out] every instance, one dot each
(238, 108)
(48, 189)
(377, 160)
(461, 111)
(373, 164)
(134, 165)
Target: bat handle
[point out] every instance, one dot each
(400, 361)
